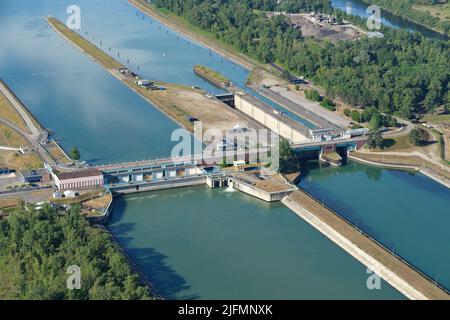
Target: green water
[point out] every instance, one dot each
(212, 244)
(409, 213)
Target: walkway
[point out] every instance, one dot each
(397, 272)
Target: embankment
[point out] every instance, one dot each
(112, 66)
(179, 25)
(432, 174)
(394, 270)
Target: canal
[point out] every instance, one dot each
(221, 245)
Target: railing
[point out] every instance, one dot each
(375, 241)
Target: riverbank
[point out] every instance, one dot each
(402, 163)
(182, 26)
(392, 12)
(394, 270)
(183, 104)
(25, 129)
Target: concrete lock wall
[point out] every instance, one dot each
(269, 120)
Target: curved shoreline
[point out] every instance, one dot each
(390, 11)
(425, 171)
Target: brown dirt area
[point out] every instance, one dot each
(321, 31)
(8, 112)
(15, 160)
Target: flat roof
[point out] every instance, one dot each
(79, 174)
(286, 119)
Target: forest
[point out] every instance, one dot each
(402, 73)
(37, 247)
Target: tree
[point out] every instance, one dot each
(313, 95)
(375, 121)
(356, 116)
(288, 159)
(375, 140)
(37, 247)
(418, 136)
(75, 154)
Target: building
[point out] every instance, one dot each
(82, 179)
(273, 119)
(6, 171)
(34, 176)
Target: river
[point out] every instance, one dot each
(220, 245)
(359, 8)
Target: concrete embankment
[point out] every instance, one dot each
(432, 174)
(397, 272)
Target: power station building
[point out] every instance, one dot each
(89, 178)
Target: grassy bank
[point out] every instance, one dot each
(8, 112)
(84, 45)
(178, 102)
(211, 75)
(112, 65)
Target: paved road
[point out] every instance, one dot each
(297, 108)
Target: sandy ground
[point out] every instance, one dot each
(324, 31)
(212, 113)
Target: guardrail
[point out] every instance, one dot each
(376, 241)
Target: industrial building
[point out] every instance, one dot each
(82, 179)
(272, 118)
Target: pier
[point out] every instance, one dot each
(393, 269)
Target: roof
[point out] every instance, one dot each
(33, 173)
(79, 174)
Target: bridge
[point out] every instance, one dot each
(195, 169)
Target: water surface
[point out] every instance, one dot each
(210, 244)
(407, 212)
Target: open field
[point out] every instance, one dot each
(438, 119)
(56, 153)
(9, 203)
(8, 112)
(15, 160)
(10, 138)
(440, 11)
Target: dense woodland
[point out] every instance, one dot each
(405, 8)
(402, 73)
(36, 248)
